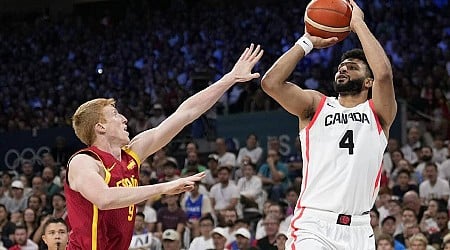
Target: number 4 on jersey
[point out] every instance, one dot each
(347, 141)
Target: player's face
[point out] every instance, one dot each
(116, 125)
(349, 78)
(55, 236)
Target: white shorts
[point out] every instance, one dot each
(319, 230)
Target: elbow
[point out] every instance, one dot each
(104, 202)
(385, 75)
(267, 82)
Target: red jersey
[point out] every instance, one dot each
(97, 229)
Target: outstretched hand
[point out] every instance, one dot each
(185, 184)
(242, 70)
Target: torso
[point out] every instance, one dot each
(103, 229)
(342, 152)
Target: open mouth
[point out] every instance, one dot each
(341, 78)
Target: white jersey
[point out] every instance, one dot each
(342, 155)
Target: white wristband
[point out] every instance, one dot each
(306, 44)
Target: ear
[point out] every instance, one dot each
(368, 82)
(100, 128)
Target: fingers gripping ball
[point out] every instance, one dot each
(328, 18)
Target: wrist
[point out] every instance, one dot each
(357, 25)
(305, 44)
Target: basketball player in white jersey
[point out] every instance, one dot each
(343, 140)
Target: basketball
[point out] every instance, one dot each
(328, 18)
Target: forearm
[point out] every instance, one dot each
(119, 197)
(375, 54)
(199, 103)
(276, 176)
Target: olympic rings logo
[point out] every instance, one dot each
(13, 157)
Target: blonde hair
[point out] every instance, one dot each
(419, 237)
(87, 116)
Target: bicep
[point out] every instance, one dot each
(383, 97)
(84, 169)
(150, 141)
(293, 98)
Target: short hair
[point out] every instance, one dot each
(404, 171)
(140, 214)
(206, 217)
(357, 54)
(419, 237)
(53, 220)
(375, 211)
(87, 116)
(386, 237)
(60, 195)
(432, 164)
(21, 226)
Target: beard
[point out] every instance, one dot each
(352, 87)
(427, 158)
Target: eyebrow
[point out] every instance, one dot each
(345, 63)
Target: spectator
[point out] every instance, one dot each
(224, 194)
(7, 227)
(19, 200)
(274, 176)
(211, 171)
(142, 238)
(56, 234)
(193, 164)
(244, 240)
(171, 240)
(271, 226)
(219, 236)
(385, 242)
(21, 240)
(225, 157)
(145, 207)
(251, 149)
(196, 205)
(157, 115)
(433, 187)
(250, 189)
(281, 240)
(204, 241)
(171, 216)
(30, 221)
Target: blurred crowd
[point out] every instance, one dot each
(150, 57)
(150, 53)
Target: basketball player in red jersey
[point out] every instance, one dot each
(102, 179)
(343, 140)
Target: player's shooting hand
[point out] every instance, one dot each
(185, 184)
(357, 14)
(242, 70)
(319, 42)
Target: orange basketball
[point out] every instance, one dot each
(328, 18)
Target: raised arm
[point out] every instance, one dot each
(291, 97)
(383, 88)
(149, 141)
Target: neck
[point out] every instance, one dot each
(115, 150)
(350, 101)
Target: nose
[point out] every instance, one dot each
(125, 120)
(343, 69)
